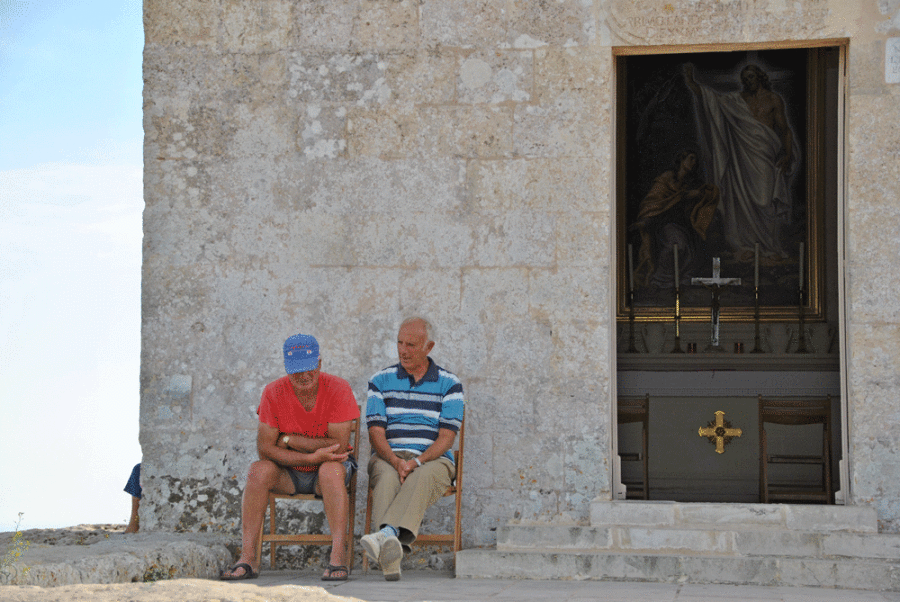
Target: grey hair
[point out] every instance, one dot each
(430, 331)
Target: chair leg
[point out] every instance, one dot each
(367, 527)
(350, 524)
(273, 547)
(259, 542)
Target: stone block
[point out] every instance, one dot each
(386, 24)
(169, 22)
(751, 571)
(519, 397)
(646, 514)
(248, 26)
(560, 185)
(565, 23)
(831, 518)
(673, 541)
(856, 545)
(557, 537)
(462, 23)
(337, 77)
(495, 76)
(325, 24)
(831, 573)
(579, 402)
(571, 130)
(469, 132)
(566, 292)
(581, 73)
(417, 78)
(529, 466)
(517, 238)
(873, 361)
(386, 135)
(779, 543)
(732, 516)
(582, 239)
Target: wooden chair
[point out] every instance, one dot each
(455, 489)
(795, 412)
(629, 411)
(323, 539)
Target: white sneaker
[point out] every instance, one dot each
(372, 543)
(390, 557)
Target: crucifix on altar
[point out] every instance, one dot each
(715, 284)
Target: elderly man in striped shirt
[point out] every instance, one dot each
(413, 412)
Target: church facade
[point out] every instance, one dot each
(331, 167)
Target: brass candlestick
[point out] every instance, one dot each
(677, 348)
(631, 347)
(756, 347)
(801, 338)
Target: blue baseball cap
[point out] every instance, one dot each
(301, 353)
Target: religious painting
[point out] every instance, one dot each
(719, 155)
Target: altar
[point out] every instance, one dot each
(685, 391)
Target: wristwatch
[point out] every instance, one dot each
(416, 460)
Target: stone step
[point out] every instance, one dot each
(734, 517)
(877, 575)
(676, 540)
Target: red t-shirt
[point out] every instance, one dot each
(280, 408)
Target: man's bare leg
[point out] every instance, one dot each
(264, 476)
(330, 485)
(134, 524)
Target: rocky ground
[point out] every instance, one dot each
(102, 563)
(105, 554)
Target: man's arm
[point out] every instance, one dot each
(267, 447)
(380, 446)
(338, 433)
(379, 443)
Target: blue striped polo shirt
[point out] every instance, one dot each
(412, 413)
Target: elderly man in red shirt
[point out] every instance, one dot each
(302, 439)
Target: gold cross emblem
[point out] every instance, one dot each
(720, 432)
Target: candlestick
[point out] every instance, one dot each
(800, 277)
(631, 269)
(756, 266)
(675, 250)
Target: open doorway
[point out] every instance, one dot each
(697, 130)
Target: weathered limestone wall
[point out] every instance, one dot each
(873, 260)
(332, 166)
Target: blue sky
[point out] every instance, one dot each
(70, 255)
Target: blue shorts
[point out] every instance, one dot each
(305, 481)
(134, 482)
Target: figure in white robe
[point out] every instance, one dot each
(753, 153)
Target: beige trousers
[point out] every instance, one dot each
(403, 505)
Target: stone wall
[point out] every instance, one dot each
(333, 166)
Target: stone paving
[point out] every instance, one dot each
(86, 564)
(422, 586)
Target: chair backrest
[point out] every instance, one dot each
(795, 411)
(458, 457)
(633, 410)
(354, 432)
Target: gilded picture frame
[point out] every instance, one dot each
(721, 152)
